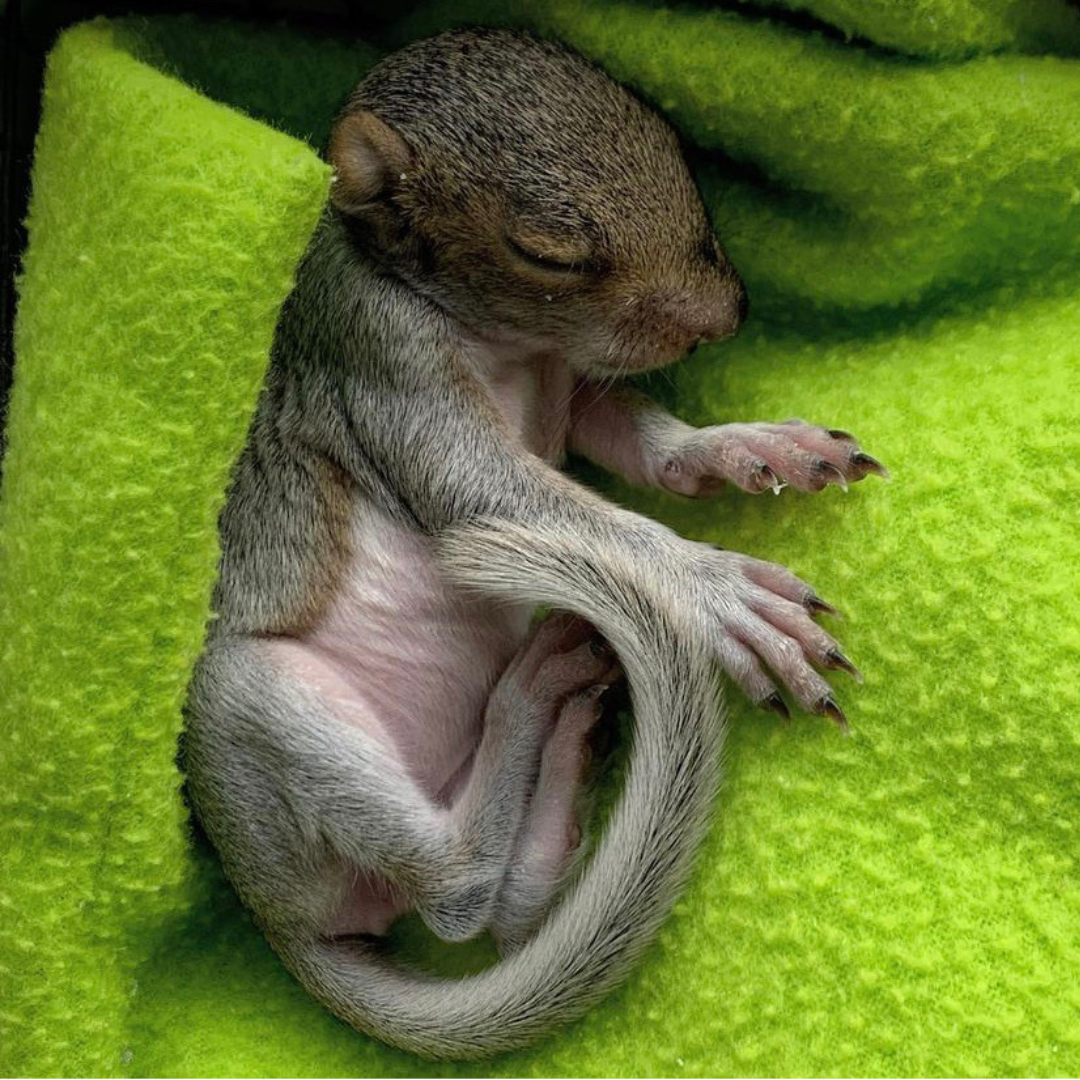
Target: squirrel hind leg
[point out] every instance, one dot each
(549, 846)
(536, 717)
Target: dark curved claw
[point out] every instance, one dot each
(837, 661)
(816, 606)
(828, 706)
(768, 479)
(828, 470)
(870, 465)
(775, 703)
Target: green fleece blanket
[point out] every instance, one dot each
(900, 185)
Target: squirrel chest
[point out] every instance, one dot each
(399, 650)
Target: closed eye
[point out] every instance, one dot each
(557, 263)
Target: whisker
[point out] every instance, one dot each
(578, 387)
(605, 385)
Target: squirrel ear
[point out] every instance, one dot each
(368, 158)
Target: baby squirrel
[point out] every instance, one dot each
(373, 727)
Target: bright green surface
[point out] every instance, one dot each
(901, 901)
(957, 29)
(164, 233)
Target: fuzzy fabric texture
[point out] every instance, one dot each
(905, 209)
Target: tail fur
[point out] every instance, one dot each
(600, 927)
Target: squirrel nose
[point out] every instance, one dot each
(726, 312)
(702, 315)
(666, 325)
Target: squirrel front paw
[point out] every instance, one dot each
(761, 457)
(761, 627)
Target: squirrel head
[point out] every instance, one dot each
(534, 199)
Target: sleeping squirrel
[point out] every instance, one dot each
(378, 724)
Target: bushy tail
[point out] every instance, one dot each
(593, 936)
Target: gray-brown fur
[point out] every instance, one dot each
(469, 165)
